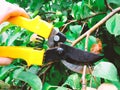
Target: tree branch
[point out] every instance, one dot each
(67, 24)
(72, 21)
(96, 14)
(96, 26)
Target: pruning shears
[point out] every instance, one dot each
(57, 49)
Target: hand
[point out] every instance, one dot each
(8, 10)
(5, 61)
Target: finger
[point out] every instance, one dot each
(23, 13)
(18, 12)
(5, 61)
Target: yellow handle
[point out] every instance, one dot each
(30, 55)
(35, 25)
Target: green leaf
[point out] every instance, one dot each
(64, 18)
(113, 25)
(5, 26)
(73, 32)
(73, 81)
(76, 29)
(95, 20)
(69, 35)
(59, 24)
(115, 2)
(34, 69)
(12, 38)
(81, 10)
(99, 5)
(91, 41)
(13, 74)
(106, 70)
(54, 73)
(76, 10)
(116, 83)
(46, 86)
(16, 72)
(5, 70)
(30, 78)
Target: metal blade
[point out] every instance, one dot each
(73, 67)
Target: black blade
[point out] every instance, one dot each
(53, 54)
(72, 55)
(78, 56)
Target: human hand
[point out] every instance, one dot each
(5, 61)
(8, 10)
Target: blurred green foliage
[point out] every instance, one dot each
(60, 12)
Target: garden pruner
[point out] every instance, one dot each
(57, 51)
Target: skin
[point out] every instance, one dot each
(7, 11)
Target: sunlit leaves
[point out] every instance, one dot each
(99, 5)
(114, 3)
(113, 25)
(74, 32)
(106, 70)
(5, 70)
(80, 10)
(34, 82)
(73, 81)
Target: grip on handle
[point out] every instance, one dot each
(35, 25)
(30, 55)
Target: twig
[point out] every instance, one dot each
(48, 67)
(96, 14)
(85, 66)
(83, 26)
(96, 26)
(72, 21)
(67, 24)
(108, 6)
(69, 41)
(83, 78)
(86, 42)
(90, 70)
(44, 75)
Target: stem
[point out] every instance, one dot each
(85, 66)
(96, 26)
(108, 6)
(86, 42)
(83, 78)
(68, 24)
(92, 77)
(96, 14)
(72, 21)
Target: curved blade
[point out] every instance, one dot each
(77, 56)
(74, 67)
